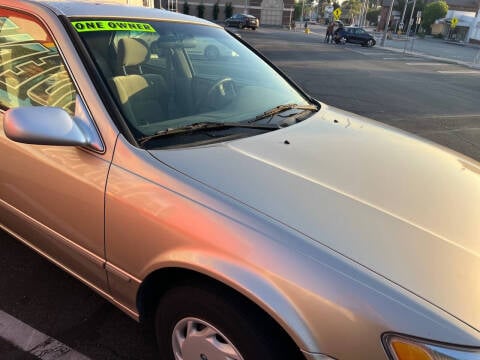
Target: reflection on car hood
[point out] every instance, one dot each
(404, 208)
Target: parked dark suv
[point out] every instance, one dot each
(243, 21)
(353, 34)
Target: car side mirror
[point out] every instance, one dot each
(43, 125)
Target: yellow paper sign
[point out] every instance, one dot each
(336, 13)
(454, 22)
(101, 25)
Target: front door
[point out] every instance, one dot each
(51, 197)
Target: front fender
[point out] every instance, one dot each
(157, 218)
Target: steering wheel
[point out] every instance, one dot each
(220, 93)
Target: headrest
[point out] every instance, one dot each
(132, 51)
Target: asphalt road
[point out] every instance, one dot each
(436, 100)
(410, 93)
(39, 294)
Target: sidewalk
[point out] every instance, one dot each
(437, 49)
(429, 48)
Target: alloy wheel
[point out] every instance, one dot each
(195, 339)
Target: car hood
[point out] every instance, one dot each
(402, 207)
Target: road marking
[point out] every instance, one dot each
(382, 53)
(34, 342)
(401, 58)
(369, 53)
(446, 116)
(459, 71)
(425, 64)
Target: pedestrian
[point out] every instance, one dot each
(307, 30)
(329, 35)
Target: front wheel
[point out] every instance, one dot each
(342, 40)
(199, 323)
(371, 43)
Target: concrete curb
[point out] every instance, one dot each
(431, 57)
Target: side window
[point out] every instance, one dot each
(31, 70)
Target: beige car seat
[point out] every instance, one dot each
(144, 97)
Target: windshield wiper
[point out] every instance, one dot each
(280, 108)
(207, 125)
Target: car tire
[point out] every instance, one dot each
(371, 42)
(211, 52)
(240, 26)
(187, 312)
(254, 28)
(342, 40)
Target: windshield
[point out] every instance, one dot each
(167, 75)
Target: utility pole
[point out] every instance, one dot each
(402, 24)
(384, 36)
(410, 20)
(303, 4)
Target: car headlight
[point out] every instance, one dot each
(404, 348)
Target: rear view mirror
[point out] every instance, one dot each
(43, 125)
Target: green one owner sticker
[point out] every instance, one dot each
(111, 25)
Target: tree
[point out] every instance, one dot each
(186, 8)
(228, 10)
(352, 8)
(433, 11)
(372, 16)
(216, 10)
(297, 12)
(297, 8)
(200, 10)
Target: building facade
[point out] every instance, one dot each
(269, 12)
(147, 3)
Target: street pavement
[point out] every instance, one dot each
(438, 49)
(428, 47)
